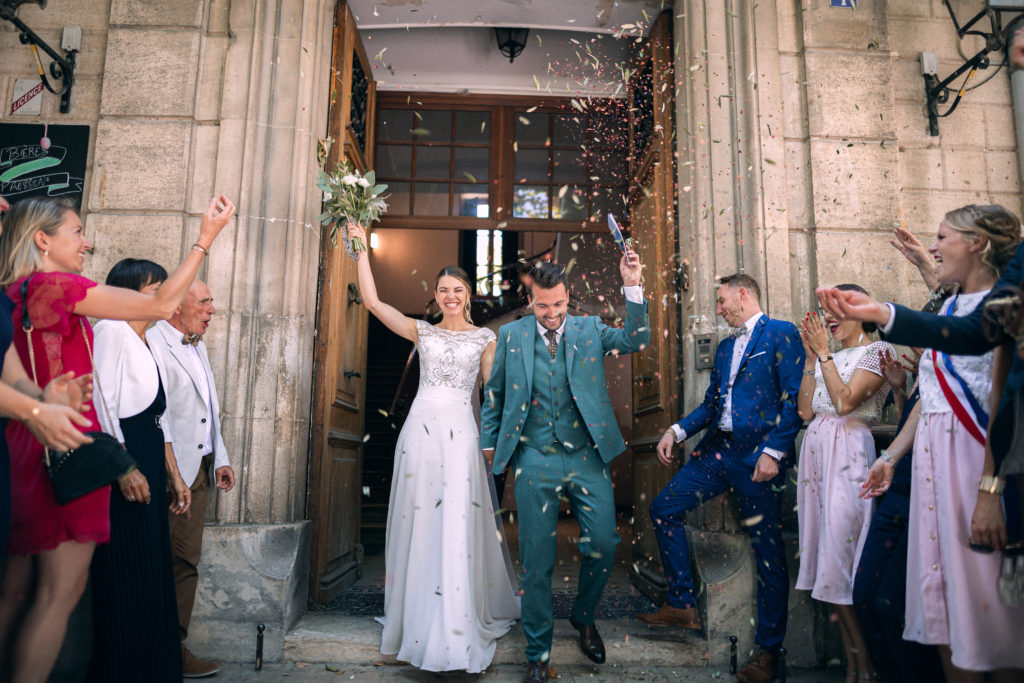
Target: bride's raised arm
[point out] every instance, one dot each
(392, 318)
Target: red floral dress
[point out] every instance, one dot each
(37, 522)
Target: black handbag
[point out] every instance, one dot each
(93, 465)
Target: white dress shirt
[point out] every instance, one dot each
(725, 418)
(126, 375)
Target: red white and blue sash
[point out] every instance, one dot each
(966, 406)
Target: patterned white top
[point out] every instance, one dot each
(449, 358)
(976, 371)
(847, 362)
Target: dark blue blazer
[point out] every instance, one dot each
(965, 336)
(764, 395)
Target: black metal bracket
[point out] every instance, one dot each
(62, 68)
(996, 39)
(353, 294)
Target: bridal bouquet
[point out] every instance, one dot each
(350, 197)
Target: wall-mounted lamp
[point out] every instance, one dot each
(374, 240)
(995, 39)
(61, 68)
(511, 41)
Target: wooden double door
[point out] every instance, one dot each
(338, 411)
(339, 391)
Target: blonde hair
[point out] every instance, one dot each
(19, 255)
(997, 224)
(463, 277)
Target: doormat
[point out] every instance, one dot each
(369, 602)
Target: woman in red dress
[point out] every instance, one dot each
(43, 242)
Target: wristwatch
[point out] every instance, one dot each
(991, 484)
(884, 455)
(824, 359)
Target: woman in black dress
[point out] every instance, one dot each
(135, 615)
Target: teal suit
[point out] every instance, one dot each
(552, 420)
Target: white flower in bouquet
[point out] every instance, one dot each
(350, 197)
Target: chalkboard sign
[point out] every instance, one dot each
(28, 170)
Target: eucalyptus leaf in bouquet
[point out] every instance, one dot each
(350, 197)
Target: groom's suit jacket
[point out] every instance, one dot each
(764, 394)
(507, 396)
(188, 410)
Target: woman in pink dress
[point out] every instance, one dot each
(951, 591)
(42, 251)
(842, 393)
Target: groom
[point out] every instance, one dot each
(547, 413)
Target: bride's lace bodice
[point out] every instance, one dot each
(451, 359)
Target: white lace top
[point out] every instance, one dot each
(451, 359)
(847, 362)
(976, 371)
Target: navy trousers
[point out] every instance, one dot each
(880, 591)
(701, 479)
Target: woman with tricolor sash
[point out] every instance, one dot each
(952, 600)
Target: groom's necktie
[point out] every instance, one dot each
(552, 336)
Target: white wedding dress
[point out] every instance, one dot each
(448, 590)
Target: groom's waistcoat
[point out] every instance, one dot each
(553, 415)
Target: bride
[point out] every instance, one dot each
(448, 592)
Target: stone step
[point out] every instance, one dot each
(320, 638)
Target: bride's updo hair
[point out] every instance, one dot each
(463, 277)
(999, 225)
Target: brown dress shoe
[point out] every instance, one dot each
(759, 669)
(196, 668)
(683, 617)
(536, 672)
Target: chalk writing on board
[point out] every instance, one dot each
(27, 170)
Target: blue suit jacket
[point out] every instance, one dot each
(965, 336)
(509, 390)
(764, 394)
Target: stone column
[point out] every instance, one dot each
(243, 97)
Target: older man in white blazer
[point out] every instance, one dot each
(193, 417)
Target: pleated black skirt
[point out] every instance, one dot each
(135, 614)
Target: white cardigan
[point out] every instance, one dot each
(126, 375)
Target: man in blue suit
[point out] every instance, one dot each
(547, 413)
(961, 336)
(750, 414)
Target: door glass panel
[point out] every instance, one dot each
(530, 201)
(433, 162)
(473, 126)
(395, 124)
(570, 203)
(471, 200)
(434, 125)
(569, 130)
(531, 128)
(398, 198)
(569, 166)
(471, 163)
(531, 164)
(609, 199)
(431, 199)
(394, 161)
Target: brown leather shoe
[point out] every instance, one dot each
(196, 668)
(759, 669)
(536, 672)
(683, 617)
